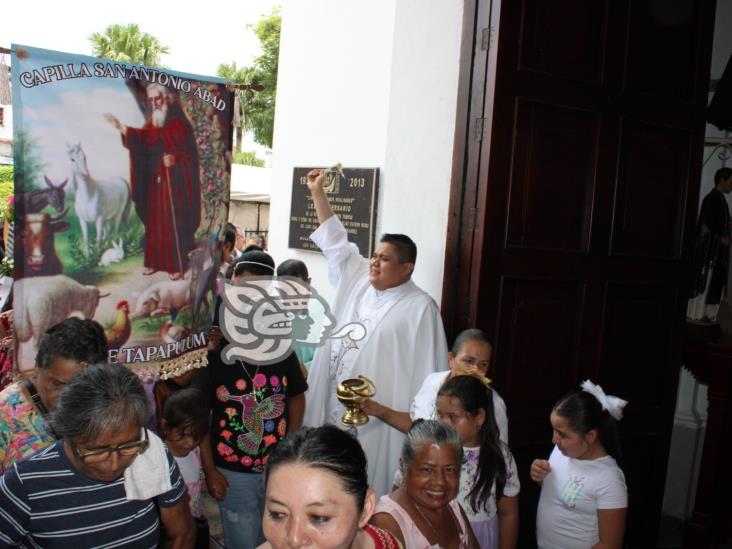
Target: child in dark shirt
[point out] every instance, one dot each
(252, 408)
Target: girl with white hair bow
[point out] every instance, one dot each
(584, 498)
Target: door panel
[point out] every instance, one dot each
(542, 321)
(638, 342)
(571, 216)
(553, 177)
(653, 172)
(579, 56)
(663, 48)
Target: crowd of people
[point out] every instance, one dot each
(89, 459)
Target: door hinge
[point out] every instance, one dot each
(472, 218)
(485, 38)
(488, 38)
(480, 131)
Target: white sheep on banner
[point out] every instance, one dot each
(47, 300)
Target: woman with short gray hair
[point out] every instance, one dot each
(423, 512)
(87, 497)
(104, 400)
(428, 432)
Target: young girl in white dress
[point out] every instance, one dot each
(184, 419)
(583, 499)
(489, 483)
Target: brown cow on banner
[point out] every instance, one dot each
(38, 249)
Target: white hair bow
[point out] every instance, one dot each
(614, 405)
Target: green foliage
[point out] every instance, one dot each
(6, 267)
(6, 174)
(76, 251)
(28, 165)
(133, 241)
(149, 324)
(69, 247)
(127, 44)
(6, 188)
(238, 75)
(258, 108)
(248, 158)
(153, 324)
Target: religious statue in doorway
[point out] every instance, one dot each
(710, 260)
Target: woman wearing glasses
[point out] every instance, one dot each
(74, 493)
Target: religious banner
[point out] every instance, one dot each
(121, 190)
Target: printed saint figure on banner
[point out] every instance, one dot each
(122, 186)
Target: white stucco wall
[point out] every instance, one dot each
(415, 191)
(370, 85)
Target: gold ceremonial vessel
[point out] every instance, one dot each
(352, 393)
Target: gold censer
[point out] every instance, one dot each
(352, 393)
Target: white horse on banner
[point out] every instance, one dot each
(106, 203)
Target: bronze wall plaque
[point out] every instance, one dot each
(353, 197)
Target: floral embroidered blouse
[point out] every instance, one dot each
(23, 431)
(249, 409)
(469, 476)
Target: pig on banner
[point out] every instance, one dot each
(121, 191)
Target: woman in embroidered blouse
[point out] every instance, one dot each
(64, 349)
(317, 494)
(423, 512)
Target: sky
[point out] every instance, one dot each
(200, 36)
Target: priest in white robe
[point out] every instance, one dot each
(404, 341)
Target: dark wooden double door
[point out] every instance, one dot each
(575, 188)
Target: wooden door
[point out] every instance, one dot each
(575, 182)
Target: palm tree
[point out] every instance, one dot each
(236, 75)
(128, 44)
